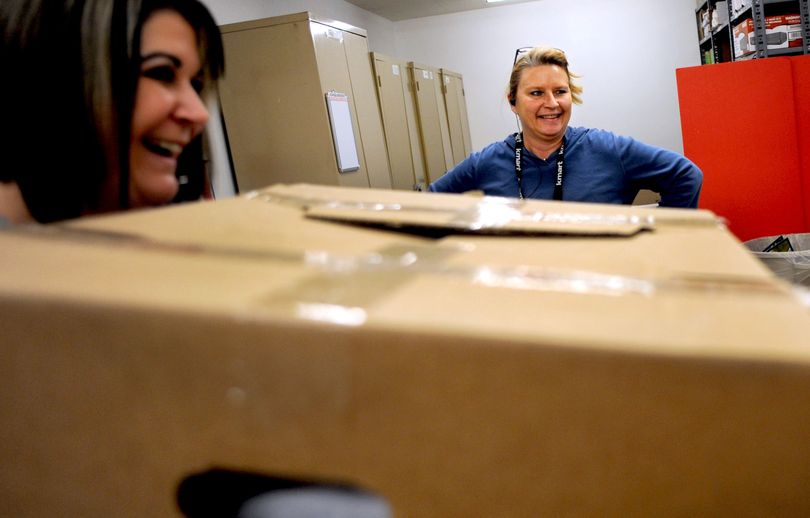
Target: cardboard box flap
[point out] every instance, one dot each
(489, 216)
(439, 214)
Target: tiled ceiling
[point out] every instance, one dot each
(396, 10)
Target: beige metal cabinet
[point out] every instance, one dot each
(417, 156)
(273, 102)
(431, 120)
(392, 94)
(456, 107)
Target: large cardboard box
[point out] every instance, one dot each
(459, 356)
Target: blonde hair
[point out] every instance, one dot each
(542, 56)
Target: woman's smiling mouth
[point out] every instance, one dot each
(163, 147)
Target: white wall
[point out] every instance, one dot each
(380, 30)
(625, 50)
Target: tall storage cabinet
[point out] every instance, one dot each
(431, 120)
(274, 102)
(393, 94)
(457, 121)
(442, 118)
(747, 126)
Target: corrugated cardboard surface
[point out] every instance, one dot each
(663, 373)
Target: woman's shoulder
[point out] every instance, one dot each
(590, 135)
(496, 149)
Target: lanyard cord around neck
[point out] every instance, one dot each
(519, 167)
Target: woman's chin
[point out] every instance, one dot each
(158, 191)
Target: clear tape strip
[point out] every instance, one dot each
(524, 277)
(344, 286)
(349, 286)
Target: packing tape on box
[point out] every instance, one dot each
(349, 286)
(344, 287)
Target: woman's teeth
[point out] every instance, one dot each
(163, 147)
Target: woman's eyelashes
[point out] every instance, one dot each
(162, 73)
(559, 92)
(168, 74)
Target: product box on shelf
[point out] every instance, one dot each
(705, 23)
(781, 32)
(784, 31)
(738, 6)
(743, 36)
(719, 14)
(459, 356)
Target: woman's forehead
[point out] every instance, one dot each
(544, 74)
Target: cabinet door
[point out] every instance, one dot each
(456, 115)
(417, 155)
(465, 121)
(430, 122)
(274, 113)
(441, 105)
(453, 119)
(368, 111)
(395, 120)
(334, 74)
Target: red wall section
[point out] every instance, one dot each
(740, 127)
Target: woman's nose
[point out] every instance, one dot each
(191, 108)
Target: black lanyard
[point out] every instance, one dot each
(519, 167)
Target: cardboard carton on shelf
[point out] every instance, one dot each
(743, 36)
(783, 31)
(738, 6)
(719, 14)
(459, 356)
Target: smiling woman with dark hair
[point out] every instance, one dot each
(105, 104)
(550, 160)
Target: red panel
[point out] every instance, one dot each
(739, 127)
(801, 92)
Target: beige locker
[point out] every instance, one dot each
(456, 105)
(443, 122)
(417, 156)
(392, 93)
(273, 102)
(431, 120)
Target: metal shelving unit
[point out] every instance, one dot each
(714, 42)
(718, 44)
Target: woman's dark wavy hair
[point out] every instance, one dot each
(70, 71)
